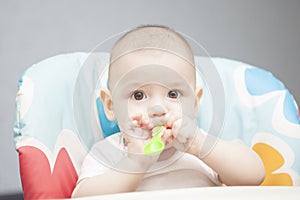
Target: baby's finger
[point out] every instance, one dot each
(145, 121)
(141, 133)
(135, 123)
(136, 117)
(178, 132)
(166, 136)
(178, 145)
(128, 127)
(171, 118)
(176, 128)
(126, 139)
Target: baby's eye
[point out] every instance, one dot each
(138, 95)
(173, 94)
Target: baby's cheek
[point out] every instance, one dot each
(135, 108)
(189, 108)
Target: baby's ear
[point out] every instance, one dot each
(198, 94)
(105, 96)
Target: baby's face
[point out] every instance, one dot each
(152, 84)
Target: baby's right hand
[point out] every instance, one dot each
(135, 137)
(138, 127)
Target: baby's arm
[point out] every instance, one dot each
(235, 163)
(113, 181)
(127, 174)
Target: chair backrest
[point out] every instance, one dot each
(258, 110)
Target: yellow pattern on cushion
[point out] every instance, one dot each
(272, 160)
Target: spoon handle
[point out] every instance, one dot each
(155, 145)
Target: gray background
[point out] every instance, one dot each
(263, 33)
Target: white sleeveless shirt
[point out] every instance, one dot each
(181, 170)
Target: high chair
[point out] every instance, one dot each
(50, 121)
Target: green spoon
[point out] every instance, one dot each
(155, 145)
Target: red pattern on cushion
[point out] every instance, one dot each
(37, 180)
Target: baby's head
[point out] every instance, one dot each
(152, 73)
(150, 45)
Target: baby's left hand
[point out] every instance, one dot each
(182, 130)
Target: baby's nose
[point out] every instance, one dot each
(157, 111)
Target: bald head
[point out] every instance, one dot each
(152, 37)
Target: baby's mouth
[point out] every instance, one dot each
(157, 121)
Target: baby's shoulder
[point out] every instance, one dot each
(113, 137)
(112, 140)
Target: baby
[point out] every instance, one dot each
(152, 82)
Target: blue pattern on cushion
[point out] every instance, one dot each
(259, 82)
(290, 110)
